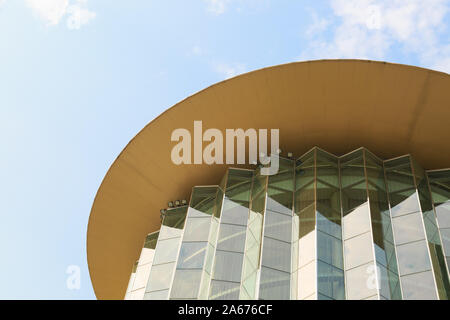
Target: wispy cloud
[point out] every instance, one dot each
(370, 29)
(229, 70)
(53, 11)
(217, 6)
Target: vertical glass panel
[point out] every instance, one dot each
(197, 229)
(160, 277)
(329, 250)
(224, 290)
(278, 226)
(431, 230)
(192, 255)
(358, 250)
(353, 181)
(150, 240)
(445, 235)
(167, 251)
(408, 228)
(419, 286)
(307, 279)
(234, 212)
(413, 257)
(402, 192)
(274, 284)
(228, 266)
(157, 295)
(357, 221)
(251, 260)
(276, 254)
(186, 284)
(361, 282)
(330, 281)
(231, 238)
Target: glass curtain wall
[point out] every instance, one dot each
(439, 183)
(252, 251)
(275, 276)
(229, 254)
(194, 264)
(166, 253)
(413, 254)
(324, 227)
(432, 232)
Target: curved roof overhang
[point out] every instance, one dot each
(338, 105)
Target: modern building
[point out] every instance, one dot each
(359, 209)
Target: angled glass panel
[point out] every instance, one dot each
(274, 284)
(419, 286)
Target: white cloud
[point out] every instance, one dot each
(229, 70)
(217, 6)
(368, 29)
(53, 11)
(78, 16)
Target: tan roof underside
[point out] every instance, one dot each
(338, 105)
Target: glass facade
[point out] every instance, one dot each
(324, 227)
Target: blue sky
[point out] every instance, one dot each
(79, 78)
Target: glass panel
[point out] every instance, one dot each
(445, 234)
(419, 286)
(278, 226)
(167, 251)
(160, 277)
(408, 228)
(223, 290)
(234, 213)
(361, 282)
(358, 250)
(197, 229)
(150, 240)
(443, 214)
(357, 221)
(413, 257)
(330, 281)
(307, 280)
(231, 238)
(157, 295)
(186, 284)
(228, 266)
(329, 250)
(192, 255)
(274, 284)
(276, 254)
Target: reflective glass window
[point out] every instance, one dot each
(413, 257)
(160, 277)
(330, 281)
(231, 238)
(186, 284)
(276, 254)
(224, 290)
(167, 251)
(419, 286)
(274, 284)
(192, 255)
(278, 226)
(197, 229)
(361, 282)
(408, 228)
(358, 250)
(228, 266)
